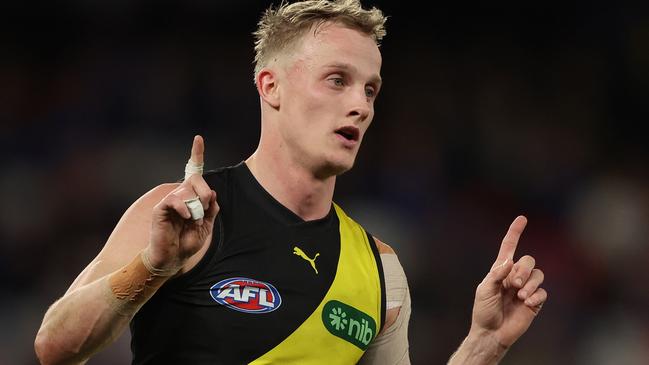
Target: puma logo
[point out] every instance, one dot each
(299, 252)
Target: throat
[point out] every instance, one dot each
(302, 193)
(310, 207)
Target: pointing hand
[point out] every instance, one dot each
(175, 235)
(509, 297)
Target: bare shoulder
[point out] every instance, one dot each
(384, 247)
(130, 236)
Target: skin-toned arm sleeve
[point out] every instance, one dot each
(390, 347)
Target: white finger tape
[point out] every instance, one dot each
(193, 168)
(195, 208)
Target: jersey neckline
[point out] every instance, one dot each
(272, 205)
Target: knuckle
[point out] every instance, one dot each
(527, 262)
(206, 196)
(482, 284)
(539, 296)
(479, 289)
(529, 258)
(509, 242)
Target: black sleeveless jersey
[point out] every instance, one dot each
(271, 288)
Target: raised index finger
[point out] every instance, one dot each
(195, 163)
(198, 148)
(508, 246)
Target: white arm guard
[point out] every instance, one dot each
(390, 347)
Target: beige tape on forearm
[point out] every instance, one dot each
(134, 284)
(390, 347)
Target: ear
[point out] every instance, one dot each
(268, 87)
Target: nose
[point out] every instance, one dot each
(360, 108)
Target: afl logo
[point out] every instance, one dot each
(246, 295)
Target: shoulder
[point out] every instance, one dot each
(383, 247)
(396, 284)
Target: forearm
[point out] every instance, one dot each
(91, 317)
(478, 349)
(79, 325)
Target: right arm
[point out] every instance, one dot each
(158, 237)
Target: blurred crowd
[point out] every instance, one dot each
(485, 113)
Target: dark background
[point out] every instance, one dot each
(487, 111)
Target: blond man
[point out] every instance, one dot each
(254, 263)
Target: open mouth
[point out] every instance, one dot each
(350, 133)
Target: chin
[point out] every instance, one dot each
(335, 167)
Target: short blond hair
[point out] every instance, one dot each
(280, 28)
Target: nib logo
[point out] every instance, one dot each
(349, 323)
(337, 317)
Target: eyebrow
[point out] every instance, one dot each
(376, 79)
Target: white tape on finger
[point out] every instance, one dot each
(193, 168)
(195, 208)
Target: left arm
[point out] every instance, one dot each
(390, 347)
(506, 303)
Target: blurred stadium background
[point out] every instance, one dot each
(487, 112)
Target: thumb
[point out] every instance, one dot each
(493, 282)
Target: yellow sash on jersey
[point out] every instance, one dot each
(348, 317)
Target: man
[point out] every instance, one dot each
(254, 263)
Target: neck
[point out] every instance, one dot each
(294, 186)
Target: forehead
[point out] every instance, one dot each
(333, 43)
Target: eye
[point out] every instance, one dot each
(369, 92)
(337, 81)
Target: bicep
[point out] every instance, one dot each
(390, 347)
(130, 236)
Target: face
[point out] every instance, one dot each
(327, 91)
